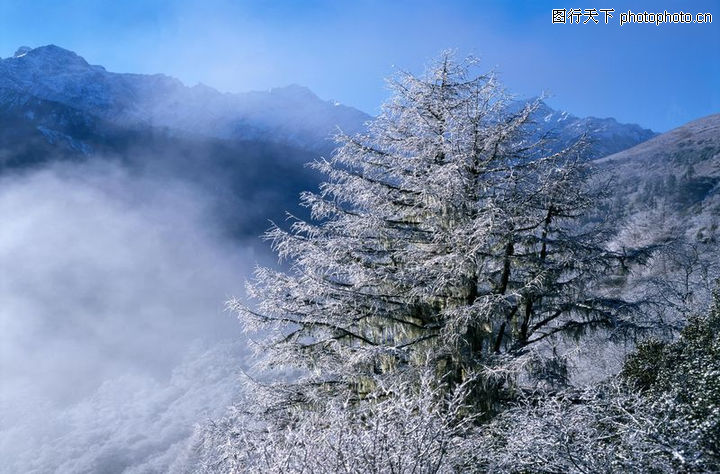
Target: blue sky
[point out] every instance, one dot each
(657, 76)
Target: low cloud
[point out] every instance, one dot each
(113, 336)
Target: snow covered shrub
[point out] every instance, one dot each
(661, 415)
(686, 373)
(602, 429)
(404, 427)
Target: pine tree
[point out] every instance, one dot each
(448, 236)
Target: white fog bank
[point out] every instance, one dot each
(114, 341)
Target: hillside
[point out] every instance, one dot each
(290, 114)
(672, 179)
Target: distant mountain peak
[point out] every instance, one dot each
(606, 135)
(50, 55)
(22, 51)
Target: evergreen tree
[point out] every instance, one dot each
(448, 236)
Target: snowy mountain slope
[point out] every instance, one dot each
(605, 135)
(291, 114)
(673, 179)
(697, 141)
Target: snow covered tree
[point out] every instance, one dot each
(448, 236)
(404, 427)
(662, 414)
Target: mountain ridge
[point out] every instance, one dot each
(249, 147)
(292, 114)
(669, 186)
